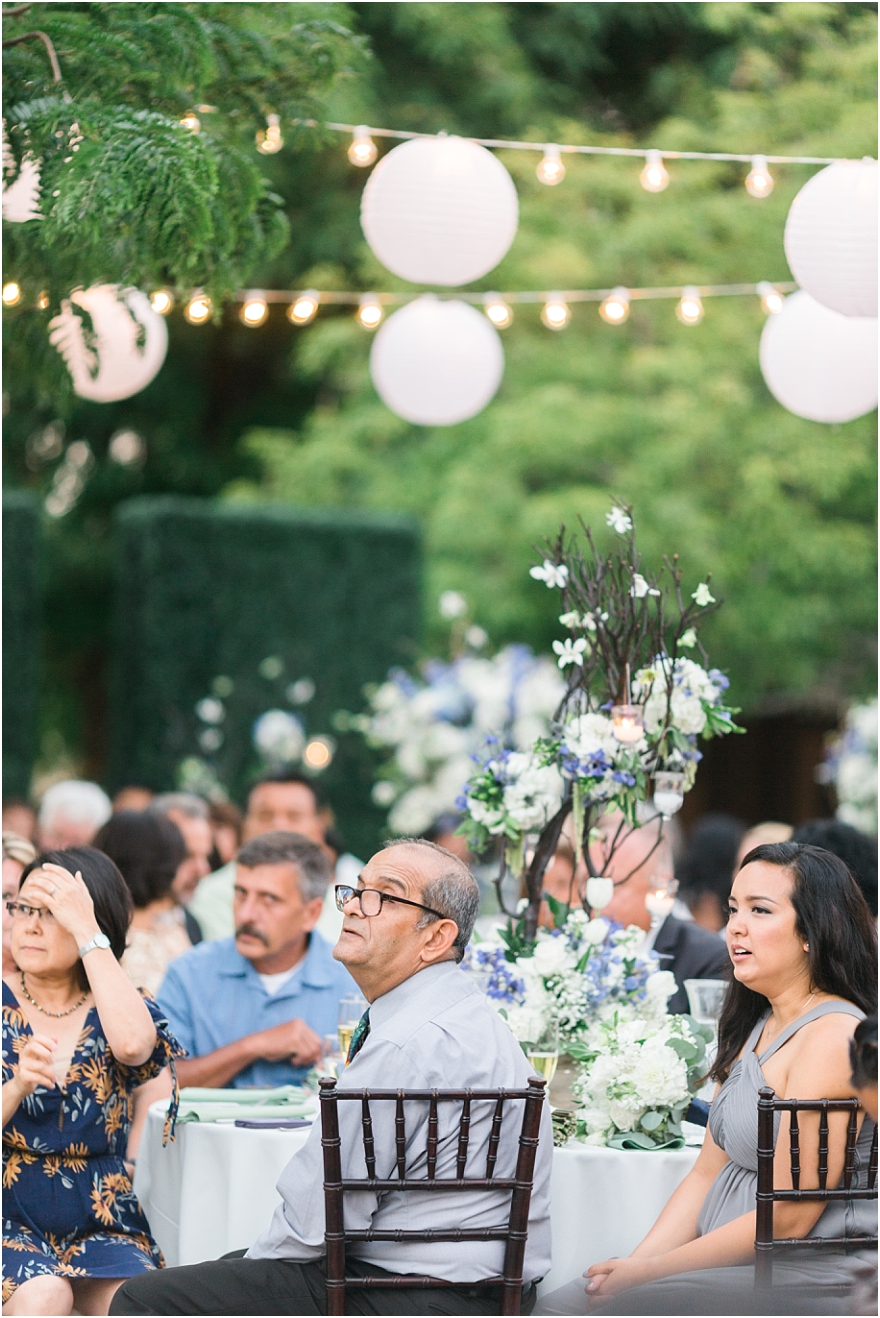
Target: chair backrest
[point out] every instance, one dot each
(767, 1194)
(513, 1232)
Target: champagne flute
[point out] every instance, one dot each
(351, 1009)
(543, 1051)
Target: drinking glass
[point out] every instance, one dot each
(660, 897)
(543, 1051)
(705, 999)
(334, 1060)
(351, 1009)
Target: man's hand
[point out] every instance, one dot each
(293, 1040)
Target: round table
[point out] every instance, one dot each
(213, 1190)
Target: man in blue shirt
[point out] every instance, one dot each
(252, 1010)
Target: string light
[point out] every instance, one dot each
(759, 181)
(198, 309)
(690, 308)
(270, 140)
(43, 300)
(304, 307)
(162, 301)
(11, 294)
(497, 310)
(191, 121)
(556, 313)
(254, 310)
(654, 177)
(363, 150)
(615, 307)
(370, 311)
(551, 169)
(772, 300)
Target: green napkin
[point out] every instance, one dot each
(231, 1104)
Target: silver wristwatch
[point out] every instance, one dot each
(99, 940)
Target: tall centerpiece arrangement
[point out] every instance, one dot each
(639, 694)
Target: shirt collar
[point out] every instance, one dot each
(314, 971)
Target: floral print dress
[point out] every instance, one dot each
(68, 1205)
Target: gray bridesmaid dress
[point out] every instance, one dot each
(733, 1122)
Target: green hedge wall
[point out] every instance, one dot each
(21, 639)
(208, 592)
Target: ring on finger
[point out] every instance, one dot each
(52, 890)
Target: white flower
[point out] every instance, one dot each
(384, 792)
(619, 521)
(570, 652)
(702, 595)
(452, 604)
(595, 931)
(552, 956)
(476, 637)
(491, 817)
(572, 619)
(554, 575)
(640, 587)
(659, 1074)
(587, 734)
(533, 793)
(279, 736)
(688, 639)
(210, 710)
(661, 986)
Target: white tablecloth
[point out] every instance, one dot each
(213, 1190)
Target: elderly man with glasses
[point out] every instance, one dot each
(405, 929)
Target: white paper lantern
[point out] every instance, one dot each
(439, 210)
(436, 363)
(112, 364)
(831, 237)
(819, 364)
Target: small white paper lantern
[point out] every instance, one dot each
(439, 210)
(831, 237)
(436, 363)
(114, 365)
(819, 364)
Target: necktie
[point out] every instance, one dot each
(359, 1037)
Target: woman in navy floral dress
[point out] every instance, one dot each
(78, 1039)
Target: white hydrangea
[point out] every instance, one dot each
(533, 793)
(588, 734)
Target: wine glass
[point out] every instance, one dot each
(543, 1050)
(351, 1008)
(334, 1060)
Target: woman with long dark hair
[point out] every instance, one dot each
(78, 1039)
(804, 953)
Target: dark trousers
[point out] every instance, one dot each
(239, 1286)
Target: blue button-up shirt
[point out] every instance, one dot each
(212, 996)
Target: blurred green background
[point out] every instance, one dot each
(675, 421)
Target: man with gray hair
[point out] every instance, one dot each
(71, 812)
(254, 1009)
(405, 927)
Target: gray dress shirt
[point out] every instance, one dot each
(434, 1031)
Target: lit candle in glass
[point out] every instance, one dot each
(668, 793)
(660, 897)
(628, 723)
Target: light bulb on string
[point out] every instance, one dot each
(162, 301)
(363, 150)
(270, 140)
(772, 301)
(690, 307)
(198, 309)
(551, 169)
(555, 313)
(498, 311)
(654, 177)
(759, 180)
(615, 307)
(191, 121)
(11, 294)
(304, 307)
(370, 311)
(43, 300)
(254, 310)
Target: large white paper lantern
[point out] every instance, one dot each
(819, 364)
(436, 363)
(831, 237)
(439, 210)
(126, 350)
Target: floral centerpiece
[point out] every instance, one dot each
(850, 766)
(639, 694)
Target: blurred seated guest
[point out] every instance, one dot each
(253, 1009)
(78, 1038)
(761, 835)
(639, 860)
(804, 954)
(705, 872)
(71, 812)
(863, 1060)
(226, 822)
(133, 798)
(191, 815)
(405, 929)
(147, 849)
(17, 854)
(20, 818)
(443, 834)
(288, 802)
(857, 851)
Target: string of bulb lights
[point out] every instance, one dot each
(614, 303)
(654, 176)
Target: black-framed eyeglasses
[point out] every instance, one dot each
(371, 900)
(22, 909)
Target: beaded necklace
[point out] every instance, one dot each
(56, 1014)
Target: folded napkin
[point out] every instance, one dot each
(233, 1104)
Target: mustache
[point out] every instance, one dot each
(253, 932)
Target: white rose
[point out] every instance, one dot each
(661, 986)
(595, 931)
(551, 956)
(626, 1116)
(534, 792)
(587, 734)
